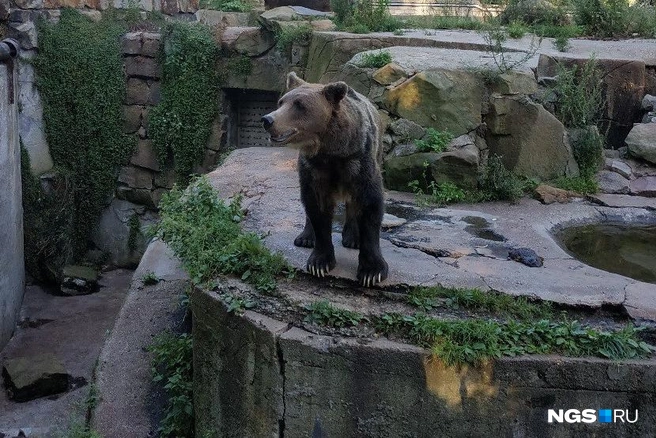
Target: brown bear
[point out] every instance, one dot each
(337, 132)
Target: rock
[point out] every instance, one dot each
(529, 139)
(269, 18)
(611, 153)
(403, 150)
(249, 41)
(613, 183)
(648, 102)
(79, 280)
(642, 141)
(4, 10)
(25, 33)
(548, 194)
(116, 224)
(145, 156)
(439, 98)
(142, 67)
(650, 117)
(142, 92)
(515, 82)
(136, 178)
(525, 256)
(391, 221)
(619, 167)
(318, 5)
(31, 377)
(389, 74)
(151, 44)
(406, 129)
(131, 118)
(644, 186)
(131, 43)
(268, 73)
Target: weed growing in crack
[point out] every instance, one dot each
(236, 305)
(172, 366)
(324, 313)
(427, 298)
(477, 340)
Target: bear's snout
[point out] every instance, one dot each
(267, 121)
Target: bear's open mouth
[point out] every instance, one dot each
(284, 137)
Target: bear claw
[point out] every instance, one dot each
(319, 265)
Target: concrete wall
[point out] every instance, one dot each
(258, 377)
(12, 272)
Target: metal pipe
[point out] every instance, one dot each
(8, 49)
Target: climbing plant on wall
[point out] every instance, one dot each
(181, 124)
(80, 79)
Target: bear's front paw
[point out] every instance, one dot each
(372, 271)
(319, 264)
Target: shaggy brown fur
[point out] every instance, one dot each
(337, 131)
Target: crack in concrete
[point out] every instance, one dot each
(437, 253)
(281, 367)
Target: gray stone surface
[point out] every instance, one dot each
(363, 387)
(644, 186)
(613, 183)
(79, 280)
(620, 167)
(436, 245)
(624, 201)
(12, 276)
(123, 376)
(72, 329)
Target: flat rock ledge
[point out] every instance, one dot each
(462, 246)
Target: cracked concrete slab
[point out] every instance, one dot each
(461, 246)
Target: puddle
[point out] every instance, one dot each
(628, 250)
(480, 227)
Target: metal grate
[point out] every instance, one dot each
(251, 106)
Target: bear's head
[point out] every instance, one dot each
(304, 113)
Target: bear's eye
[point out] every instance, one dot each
(299, 105)
(279, 103)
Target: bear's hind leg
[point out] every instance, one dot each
(351, 232)
(306, 238)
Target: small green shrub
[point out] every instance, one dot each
(375, 60)
(579, 93)
(324, 313)
(172, 366)
(584, 186)
(517, 29)
(434, 141)
(288, 35)
(204, 232)
(227, 5)
(149, 279)
(641, 20)
(530, 12)
(181, 123)
(602, 18)
(236, 305)
(364, 16)
(561, 43)
(241, 66)
(587, 149)
(498, 183)
(437, 193)
(555, 31)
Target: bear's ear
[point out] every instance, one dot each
(294, 81)
(335, 92)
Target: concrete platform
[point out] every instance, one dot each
(267, 179)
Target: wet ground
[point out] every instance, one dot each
(73, 329)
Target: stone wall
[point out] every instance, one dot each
(12, 277)
(281, 380)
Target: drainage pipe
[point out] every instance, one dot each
(8, 49)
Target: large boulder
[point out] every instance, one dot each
(459, 164)
(439, 98)
(249, 41)
(530, 140)
(30, 377)
(642, 141)
(121, 232)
